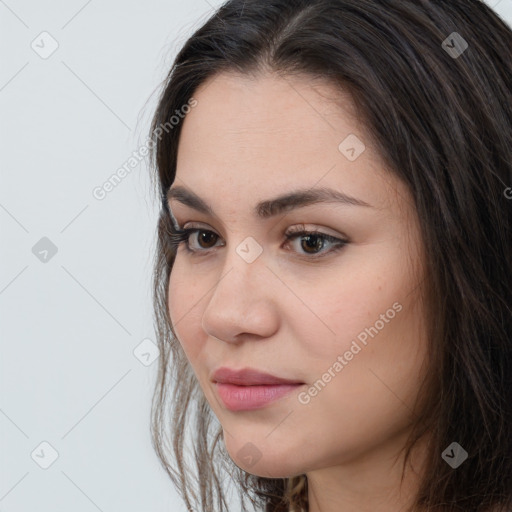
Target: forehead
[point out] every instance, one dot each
(251, 136)
(278, 111)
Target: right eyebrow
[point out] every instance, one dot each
(269, 208)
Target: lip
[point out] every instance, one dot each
(249, 377)
(249, 389)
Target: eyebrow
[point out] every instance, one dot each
(266, 209)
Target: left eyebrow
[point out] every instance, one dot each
(266, 209)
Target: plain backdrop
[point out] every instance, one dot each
(78, 85)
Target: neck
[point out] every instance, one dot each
(369, 483)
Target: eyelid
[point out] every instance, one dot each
(296, 228)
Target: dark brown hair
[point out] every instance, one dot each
(440, 114)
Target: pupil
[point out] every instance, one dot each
(204, 235)
(315, 237)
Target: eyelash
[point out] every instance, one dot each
(178, 236)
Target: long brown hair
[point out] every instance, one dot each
(432, 80)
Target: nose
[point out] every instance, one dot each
(241, 304)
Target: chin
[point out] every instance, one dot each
(266, 461)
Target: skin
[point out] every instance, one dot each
(248, 140)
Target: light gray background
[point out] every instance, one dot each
(69, 325)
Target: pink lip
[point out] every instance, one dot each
(248, 377)
(247, 398)
(248, 389)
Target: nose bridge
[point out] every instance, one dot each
(244, 266)
(239, 300)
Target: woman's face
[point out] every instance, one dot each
(343, 320)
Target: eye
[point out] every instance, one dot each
(312, 242)
(183, 235)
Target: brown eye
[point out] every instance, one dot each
(312, 243)
(199, 240)
(208, 238)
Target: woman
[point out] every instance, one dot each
(333, 285)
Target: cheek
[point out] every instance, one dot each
(368, 394)
(381, 338)
(338, 308)
(184, 310)
(175, 305)
(372, 313)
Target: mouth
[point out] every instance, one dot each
(249, 389)
(249, 377)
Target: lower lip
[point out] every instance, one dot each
(247, 398)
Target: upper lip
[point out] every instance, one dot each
(248, 377)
